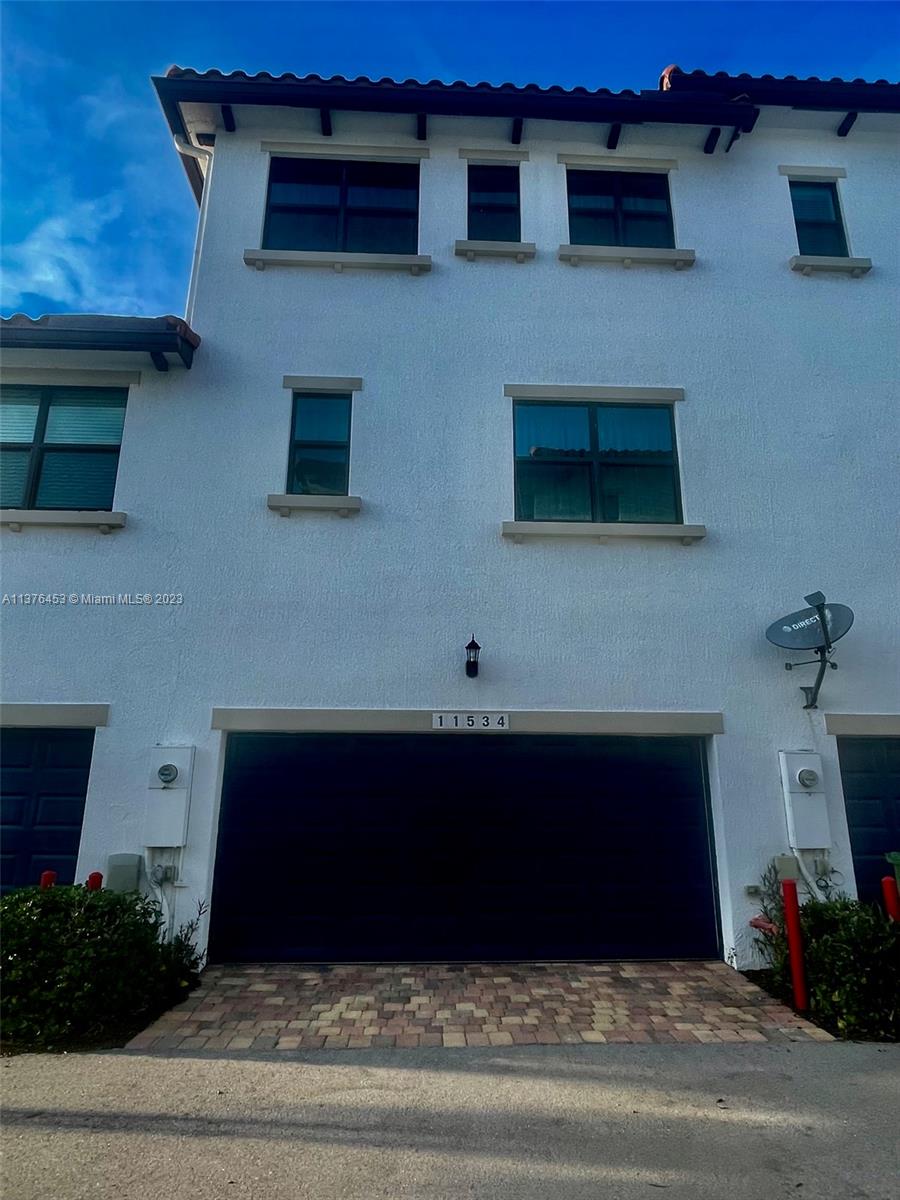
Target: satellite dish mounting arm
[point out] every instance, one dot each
(816, 600)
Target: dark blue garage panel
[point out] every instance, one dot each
(43, 783)
(389, 847)
(870, 774)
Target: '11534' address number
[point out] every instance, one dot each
(496, 722)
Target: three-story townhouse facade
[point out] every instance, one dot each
(418, 611)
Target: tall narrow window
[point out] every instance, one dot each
(321, 204)
(817, 215)
(595, 462)
(494, 203)
(320, 445)
(619, 208)
(59, 447)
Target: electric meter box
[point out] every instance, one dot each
(168, 802)
(805, 804)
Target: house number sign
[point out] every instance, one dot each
(462, 721)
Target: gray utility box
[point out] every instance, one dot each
(123, 872)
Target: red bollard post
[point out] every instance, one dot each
(94, 881)
(891, 897)
(48, 879)
(795, 943)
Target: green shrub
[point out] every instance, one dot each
(851, 953)
(81, 967)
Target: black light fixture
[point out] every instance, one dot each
(472, 652)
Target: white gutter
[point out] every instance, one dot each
(183, 146)
(205, 156)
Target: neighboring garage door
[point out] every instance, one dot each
(383, 847)
(870, 773)
(43, 783)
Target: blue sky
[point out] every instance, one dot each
(97, 214)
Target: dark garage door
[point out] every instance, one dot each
(870, 773)
(43, 783)
(382, 847)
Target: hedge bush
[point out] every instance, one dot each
(81, 967)
(852, 956)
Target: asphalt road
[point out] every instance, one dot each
(558, 1123)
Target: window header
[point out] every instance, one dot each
(813, 173)
(318, 150)
(606, 162)
(322, 383)
(625, 395)
(489, 156)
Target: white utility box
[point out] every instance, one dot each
(168, 802)
(805, 805)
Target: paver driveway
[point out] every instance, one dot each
(285, 1007)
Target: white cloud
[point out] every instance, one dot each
(64, 259)
(112, 109)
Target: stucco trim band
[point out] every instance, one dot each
(863, 724)
(601, 531)
(68, 377)
(338, 260)
(372, 720)
(54, 716)
(285, 504)
(605, 162)
(471, 250)
(552, 391)
(319, 150)
(806, 264)
(322, 383)
(16, 518)
(488, 156)
(628, 255)
(813, 173)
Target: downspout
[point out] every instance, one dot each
(203, 155)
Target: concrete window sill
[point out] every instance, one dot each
(416, 264)
(628, 255)
(471, 250)
(344, 506)
(600, 531)
(18, 519)
(806, 264)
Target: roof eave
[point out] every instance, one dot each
(155, 343)
(648, 107)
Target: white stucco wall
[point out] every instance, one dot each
(786, 442)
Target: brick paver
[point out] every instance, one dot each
(283, 1007)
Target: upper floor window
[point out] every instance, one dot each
(320, 445)
(321, 204)
(817, 215)
(619, 208)
(595, 462)
(60, 446)
(494, 203)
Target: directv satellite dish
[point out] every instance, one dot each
(816, 628)
(803, 630)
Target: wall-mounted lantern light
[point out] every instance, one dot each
(472, 652)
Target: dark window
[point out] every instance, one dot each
(494, 204)
(595, 462)
(60, 446)
(320, 445)
(613, 208)
(817, 215)
(317, 204)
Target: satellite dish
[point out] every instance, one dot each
(816, 628)
(803, 630)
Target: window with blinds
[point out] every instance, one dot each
(59, 447)
(317, 204)
(619, 208)
(320, 445)
(596, 462)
